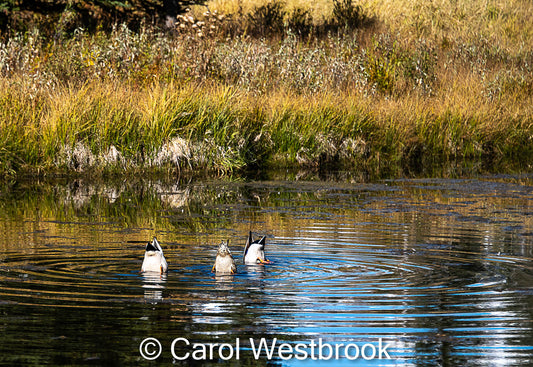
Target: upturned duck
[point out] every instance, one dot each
(154, 260)
(254, 251)
(224, 262)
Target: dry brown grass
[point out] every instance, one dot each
(423, 84)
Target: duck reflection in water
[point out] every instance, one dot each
(154, 285)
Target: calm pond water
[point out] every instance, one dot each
(427, 272)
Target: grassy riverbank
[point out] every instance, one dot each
(404, 88)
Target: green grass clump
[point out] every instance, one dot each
(103, 128)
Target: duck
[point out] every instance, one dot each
(254, 251)
(154, 260)
(224, 262)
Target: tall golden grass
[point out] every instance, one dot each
(413, 87)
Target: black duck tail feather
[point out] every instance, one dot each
(150, 247)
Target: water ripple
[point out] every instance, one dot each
(440, 269)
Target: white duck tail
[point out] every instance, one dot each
(254, 251)
(154, 260)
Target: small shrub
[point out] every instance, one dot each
(212, 24)
(382, 64)
(300, 22)
(267, 19)
(348, 15)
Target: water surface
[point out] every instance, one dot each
(439, 269)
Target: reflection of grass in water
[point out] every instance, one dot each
(224, 208)
(153, 206)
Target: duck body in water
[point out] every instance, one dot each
(154, 260)
(254, 251)
(224, 262)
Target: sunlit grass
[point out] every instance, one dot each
(438, 83)
(97, 128)
(503, 23)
